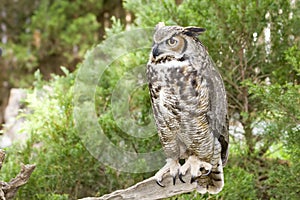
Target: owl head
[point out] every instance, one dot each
(174, 41)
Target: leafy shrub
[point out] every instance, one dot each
(63, 164)
(283, 181)
(45, 35)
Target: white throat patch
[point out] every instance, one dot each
(173, 64)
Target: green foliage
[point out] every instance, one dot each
(52, 196)
(65, 169)
(281, 105)
(63, 164)
(48, 34)
(62, 31)
(149, 13)
(292, 56)
(240, 184)
(283, 181)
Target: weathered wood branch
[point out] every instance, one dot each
(9, 190)
(2, 157)
(149, 190)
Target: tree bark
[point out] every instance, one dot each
(9, 190)
(149, 190)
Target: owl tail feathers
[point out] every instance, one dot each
(214, 182)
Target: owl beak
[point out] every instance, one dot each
(155, 51)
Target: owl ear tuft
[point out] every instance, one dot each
(159, 25)
(193, 31)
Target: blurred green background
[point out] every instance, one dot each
(255, 45)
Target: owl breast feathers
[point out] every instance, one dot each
(190, 107)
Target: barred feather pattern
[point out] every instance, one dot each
(180, 102)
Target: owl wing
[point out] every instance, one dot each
(217, 117)
(167, 118)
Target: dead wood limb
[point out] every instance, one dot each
(9, 190)
(149, 190)
(2, 157)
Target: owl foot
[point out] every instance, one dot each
(195, 165)
(217, 179)
(171, 166)
(213, 183)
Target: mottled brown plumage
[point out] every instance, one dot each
(190, 107)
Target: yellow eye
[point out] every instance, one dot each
(172, 42)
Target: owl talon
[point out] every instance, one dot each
(193, 179)
(180, 178)
(160, 184)
(209, 171)
(171, 166)
(174, 180)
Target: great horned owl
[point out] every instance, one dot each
(190, 107)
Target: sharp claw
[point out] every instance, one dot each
(180, 178)
(160, 184)
(207, 173)
(193, 179)
(174, 180)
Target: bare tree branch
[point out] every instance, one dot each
(149, 190)
(9, 190)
